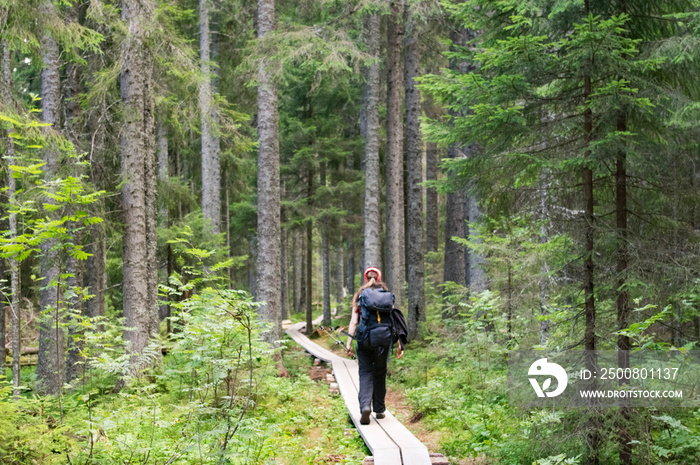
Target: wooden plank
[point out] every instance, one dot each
(310, 346)
(390, 442)
(412, 450)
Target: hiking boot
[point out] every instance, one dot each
(380, 416)
(364, 419)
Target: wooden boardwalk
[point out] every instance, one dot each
(390, 442)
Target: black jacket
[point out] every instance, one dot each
(400, 328)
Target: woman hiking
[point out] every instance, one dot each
(371, 327)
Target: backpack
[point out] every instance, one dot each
(376, 305)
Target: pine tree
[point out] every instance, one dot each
(51, 364)
(372, 232)
(268, 261)
(394, 259)
(138, 177)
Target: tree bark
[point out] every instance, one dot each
(544, 270)
(372, 231)
(308, 294)
(15, 283)
(454, 260)
(163, 213)
(302, 271)
(296, 270)
(351, 267)
(589, 338)
(454, 268)
(74, 267)
(4, 301)
(51, 362)
(325, 259)
(284, 271)
(96, 276)
(268, 264)
(474, 274)
(414, 165)
(431, 199)
(395, 241)
(211, 172)
(309, 256)
(623, 310)
(339, 271)
(138, 178)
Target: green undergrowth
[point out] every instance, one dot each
(455, 381)
(200, 404)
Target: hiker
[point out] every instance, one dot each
(371, 327)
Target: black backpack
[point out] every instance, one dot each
(376, 305)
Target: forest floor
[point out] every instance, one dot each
(396, 401)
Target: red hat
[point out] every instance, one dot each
(376, 270)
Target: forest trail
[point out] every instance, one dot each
(390, 442)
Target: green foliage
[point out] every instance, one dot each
(29, 435)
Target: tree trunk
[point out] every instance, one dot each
(414, 165)
(297, 270)
(475, 276)
(454, 227)
(138, 173)
(285, 275)
(75, 303)
(623, 310)
(339, 272)
(372, 233)
(325, 259)
(50, 368)
(308, 294)
(284, 270)
(309, 255)
(4, 302)
(96, 276)
(211, 172)
(544, 270)
(454, 262)
(589, 338)
(302, 270)
(395, 242)
(351, 267)
(268, 264)
(163, 213)
(431, 199)
(15, 283)
(252, 281)
(74, 266)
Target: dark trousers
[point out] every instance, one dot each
(372, 358)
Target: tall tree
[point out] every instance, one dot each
(284, 265)
(297, 254)
(15, 275)
(454, 263)
(395, 228)
(308, 259)
(431, 198)
(372, 233)
(325, 257)
(50, 368)
(163, 211)
(138, 177)
(414, 161)
(211, 171)
(268, 263)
